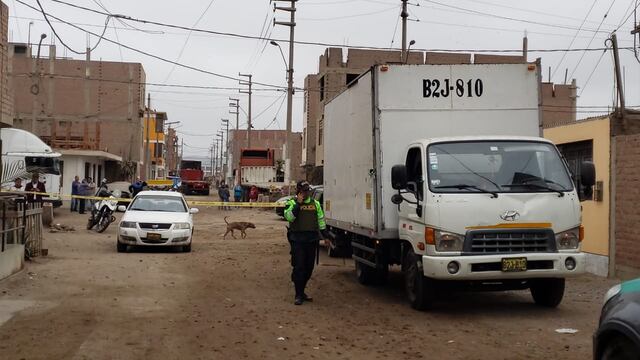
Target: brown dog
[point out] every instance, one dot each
(241, 226)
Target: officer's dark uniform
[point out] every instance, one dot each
(306, 220)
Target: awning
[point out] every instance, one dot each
(90, 153)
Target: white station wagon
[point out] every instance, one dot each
(156, 218)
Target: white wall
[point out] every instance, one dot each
(74, 165)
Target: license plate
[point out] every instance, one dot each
(514, 264)
(154, 236)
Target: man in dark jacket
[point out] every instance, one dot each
(35, 186)
(136, 187)
(306, 221)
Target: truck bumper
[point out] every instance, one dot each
(489, 267)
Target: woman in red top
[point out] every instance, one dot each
(253, 194)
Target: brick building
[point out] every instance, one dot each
(6, 90)
(263, 139)
(612, 216)
(93, 109)
(334, 73)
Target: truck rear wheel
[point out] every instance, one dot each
(371, 276)
(420, 289)
(547, 292)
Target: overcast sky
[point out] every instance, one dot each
(443, 24)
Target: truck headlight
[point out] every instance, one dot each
(568, 240)
(128, 225)
(181, 226)
(446, 241)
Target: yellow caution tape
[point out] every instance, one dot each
(190, 202)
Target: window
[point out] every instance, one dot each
(351, 77)
(320, 130)
(87, 170)
(415, 179)
(322, 88)
(575, 154)
(158, 150)
(496, 166)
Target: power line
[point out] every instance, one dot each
(144, 52)
(186, 41)
(481, 13)
(592, 72)
(97, 2)
(564, 55)
(100, 37)
(590, 41)
(624, 20)
(312, 43)
(349, 16)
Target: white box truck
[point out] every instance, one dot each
(440, 169)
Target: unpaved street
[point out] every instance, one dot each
(231, 299)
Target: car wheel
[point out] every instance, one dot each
(547, 292)
(186, 248)
(619, 348)
(371, 276)
(121, 247)
(420, 290)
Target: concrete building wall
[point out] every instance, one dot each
(311, 109)
(595, 214)
(6, 90)
(558, 104)
(81, 91)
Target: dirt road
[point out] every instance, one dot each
(231, 299)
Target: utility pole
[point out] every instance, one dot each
(250, 84)
(235, 103)
(616, 58)
(147, 155)
(404, 15)
(226, 153)
(292, 25)
(211, 158)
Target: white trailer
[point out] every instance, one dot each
(454, 135)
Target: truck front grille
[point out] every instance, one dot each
(509, 241)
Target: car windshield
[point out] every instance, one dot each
(158, 203)
(509, 166)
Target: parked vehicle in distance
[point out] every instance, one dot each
(441, 169)
(157, 218)
(192, 178)
(618, 333)
(123, 187)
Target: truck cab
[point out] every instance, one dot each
(499, 212)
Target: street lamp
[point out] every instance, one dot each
(411, 43)
(29, 36)
(281, 53)
(42, 37)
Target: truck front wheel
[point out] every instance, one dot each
(420, 289)
(547, 292)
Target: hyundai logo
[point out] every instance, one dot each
(154, 226)
(510, 215)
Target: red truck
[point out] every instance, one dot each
(192, 178)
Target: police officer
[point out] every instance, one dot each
(306, 221)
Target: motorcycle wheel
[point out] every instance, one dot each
(103, 223)
(90, 222)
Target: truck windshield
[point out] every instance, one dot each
(497, 167)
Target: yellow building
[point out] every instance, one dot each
(155, 138)
(590, 140)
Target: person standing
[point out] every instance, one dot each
(138, 186)
(253, 194)
(85, 190)
(306, 221)
(75, 191)
(17, 185)
(225, 196)
(35, 186)
(237, 193)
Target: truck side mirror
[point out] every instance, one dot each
(587, 179)
(588, 174)
(397, 199)
(399, 177)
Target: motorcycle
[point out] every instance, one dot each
(103, 210)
